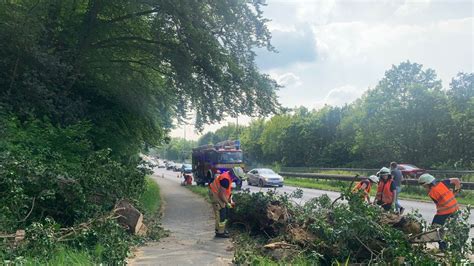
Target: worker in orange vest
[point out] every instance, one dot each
(443, 197)
(220, 192)
(365, 185)
(386, 190)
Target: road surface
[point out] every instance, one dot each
(426, 209)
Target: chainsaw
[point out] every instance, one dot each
(433, 235)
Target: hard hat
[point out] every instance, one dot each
(383, 171)
(374, 178)
(426, 179)
(238, 172)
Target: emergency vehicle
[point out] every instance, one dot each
(211, 160)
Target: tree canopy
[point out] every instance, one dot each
(85, 85)
(408, 117)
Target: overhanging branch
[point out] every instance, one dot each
(132, 15)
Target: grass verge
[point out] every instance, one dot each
(201, 191)
(408, 192)
(150, 199)
(64, 256)
(151, 203)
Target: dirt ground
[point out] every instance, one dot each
(189, 219)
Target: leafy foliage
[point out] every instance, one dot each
(177, 149)
(322, 231)
(407, 117)
(86, 85)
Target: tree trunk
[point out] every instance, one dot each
(129, 216)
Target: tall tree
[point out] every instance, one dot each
(404, 117)
(251, 142)
(461, 131)
(129, 67)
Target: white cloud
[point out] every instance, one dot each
(342, 95)
(332, 51)
(316, 12)
(412, 7)
(287, 79)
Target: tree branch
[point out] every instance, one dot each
(125, 38)
(132, 15)
(31, 210)
(136, 62)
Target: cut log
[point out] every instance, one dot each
(281, 244)
(19, 236)
(277, 213)
(129, 216)
(143, 230)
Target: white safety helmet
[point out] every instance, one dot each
(374, 178)
(383, 171)
(426, 179)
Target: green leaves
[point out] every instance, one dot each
(407, 117)
(329, 232)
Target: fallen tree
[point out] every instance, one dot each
(326, 232)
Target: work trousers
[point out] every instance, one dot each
(397, 204)
(441, 220)
(220, 213)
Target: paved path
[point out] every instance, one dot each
(189, 219)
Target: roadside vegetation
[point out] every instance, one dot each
(269, 229)
(88, 85)
(151, 199)
(407, 117)
(408, 192)
(201, 191)
(102, 240)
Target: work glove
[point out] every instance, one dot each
(229, 205)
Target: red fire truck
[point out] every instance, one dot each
(212, 160)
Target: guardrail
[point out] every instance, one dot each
(409, 182)
(376, 170)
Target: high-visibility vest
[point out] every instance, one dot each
(216, 184)
(367, 188)
(384, 193)
(446, 203)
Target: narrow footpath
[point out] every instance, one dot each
(189, 219)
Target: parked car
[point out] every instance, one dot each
(410, 171)
(186, 168)
(177, 167)
(170, 165)
(264, 177)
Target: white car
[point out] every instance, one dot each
(264, 177)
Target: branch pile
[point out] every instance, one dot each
(43, 237)
(327, 232)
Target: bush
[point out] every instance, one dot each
(325, 232)
(51, 177)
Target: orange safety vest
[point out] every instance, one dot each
(359, 185)
(216, 184)
(384, 193)
(446, 203)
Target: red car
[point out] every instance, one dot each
(410, 171)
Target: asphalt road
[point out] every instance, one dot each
(426, 209)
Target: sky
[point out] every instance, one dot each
(330, 52)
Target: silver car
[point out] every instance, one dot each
(264, 177)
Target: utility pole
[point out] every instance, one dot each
(237, 119)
